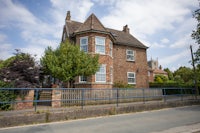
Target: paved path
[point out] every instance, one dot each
(173, 120)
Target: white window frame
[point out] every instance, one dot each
(81, 79)
(128, 54)
(102, 74)
(134, 78)
(111, 49)
(100, 44)
(83, 45)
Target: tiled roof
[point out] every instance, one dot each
(73, 26)
(92, 23)
(123, 38)
(159, 71)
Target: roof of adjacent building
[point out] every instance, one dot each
(159, 71)
(92, 24)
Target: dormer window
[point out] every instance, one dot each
(84, 44)
(100, 45)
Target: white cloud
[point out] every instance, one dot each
(175, 57)
(79, 9)
(33, 31)
(147, 17)
(165, 40)
(2, 37)
(157, 45)
(5, 51)
(14, 14)
(183, 42)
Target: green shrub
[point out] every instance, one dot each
(6, 96)
(122, 85)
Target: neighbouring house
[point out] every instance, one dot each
(122, 57)
(154, 70)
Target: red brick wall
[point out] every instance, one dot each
(25, 105)
(117, 62)
(103, 59)
(122, 66)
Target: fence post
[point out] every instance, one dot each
(36, 99)
(181, 94)
(82, 98)
(143, 94)
(164, 94)
(117, 97)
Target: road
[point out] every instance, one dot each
(174, 120)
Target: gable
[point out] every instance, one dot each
(92, 24)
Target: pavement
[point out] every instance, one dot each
(171, 120)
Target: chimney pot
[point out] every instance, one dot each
(68, 17)
(126, 29)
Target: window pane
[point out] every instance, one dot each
(130, 55)
(84, 48)
(131, 80)
(100, 49)
(84, 44)
(131, 77)
(100, 40)
(130, 52)
(83, 78)
(84, 41)
(100, 45)
(101, 74)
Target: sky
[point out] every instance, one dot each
(165, 26)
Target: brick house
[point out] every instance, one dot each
(154, 70)
(122, 57)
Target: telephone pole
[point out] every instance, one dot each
(195, 74)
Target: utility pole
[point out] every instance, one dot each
(195, 74)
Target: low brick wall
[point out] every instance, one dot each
(42, 117)
(29, 96)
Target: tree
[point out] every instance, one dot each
(160, 78)
(67, 62)
(170, 74)
(20, 70)
(185, 73)
(196, 35)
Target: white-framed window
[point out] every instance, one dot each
(82, 79)
(130, 56)
(84, 44)
(111, 48)
(100, 75)
(100, 45)
(131, 77)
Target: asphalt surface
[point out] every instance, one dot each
(173, 120)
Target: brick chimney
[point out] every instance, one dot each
(126, 29)
(68, 17)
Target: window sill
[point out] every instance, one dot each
(130, 60)
(131, 83)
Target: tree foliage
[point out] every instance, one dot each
(170, 74)
(196, 34)
(67, 62)
(160, 78)
(20, 70)
(185, 73)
